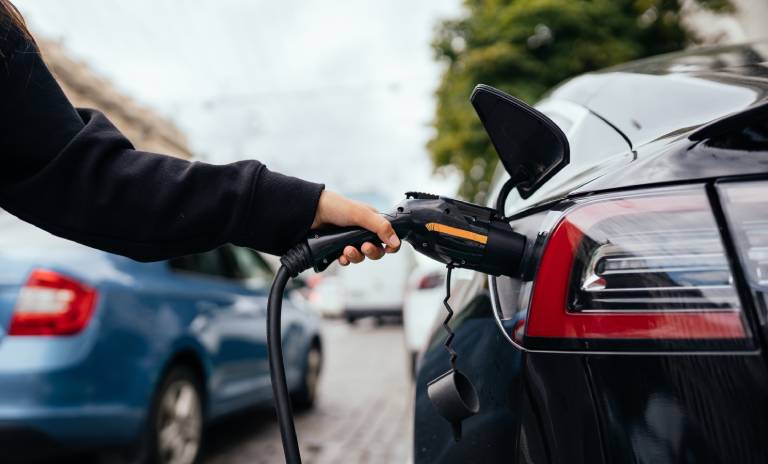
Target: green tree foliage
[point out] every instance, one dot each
(525, 47)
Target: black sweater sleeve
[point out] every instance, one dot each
(72, 173)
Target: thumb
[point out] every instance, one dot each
(377, 224)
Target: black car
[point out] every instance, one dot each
(636, 330)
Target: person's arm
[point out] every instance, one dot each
(74, 174)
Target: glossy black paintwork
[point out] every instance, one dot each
(494, 368)
(615, 408)
(588, 408)
(676, 158)
(682, 409)
(657, 104)
(651, 98)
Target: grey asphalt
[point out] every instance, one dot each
(361, 415)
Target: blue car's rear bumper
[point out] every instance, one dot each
(49, 394)
(78, 426)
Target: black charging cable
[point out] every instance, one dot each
(472, 237)
(277, 368)
(294, 261)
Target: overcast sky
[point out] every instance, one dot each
(333, 91)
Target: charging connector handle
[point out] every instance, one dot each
(326, 246)
(449, 231)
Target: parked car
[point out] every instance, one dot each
(423, 302)
(373, 289)
(376, 288)
(325, 293)
(97, 350)
(423, 308)
(635, 331)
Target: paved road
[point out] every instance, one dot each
(360, 416)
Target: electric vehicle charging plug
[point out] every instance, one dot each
(449, 231)
(453, 232)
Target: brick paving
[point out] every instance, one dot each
(361, 415)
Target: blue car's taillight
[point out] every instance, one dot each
(52, 304)
(636, 271)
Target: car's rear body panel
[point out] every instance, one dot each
(676, 159)
(664, 407)
(613, 406)
(495, 368)
(648, 99)
(672, 408)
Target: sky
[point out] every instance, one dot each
(339, 92)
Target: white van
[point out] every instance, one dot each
(376, 288)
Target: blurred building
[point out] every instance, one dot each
(144, 128)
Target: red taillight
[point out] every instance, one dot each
(52, 304)
(431, 280)
(634, 270)
(314, 280)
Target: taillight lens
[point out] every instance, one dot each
(639, 271)
(314, 280)
(52, 304)
(431, 280)
(746, 207)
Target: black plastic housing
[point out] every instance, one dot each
(449, 231)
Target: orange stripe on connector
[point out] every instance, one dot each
(456, 232)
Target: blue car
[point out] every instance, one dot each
(98, 350)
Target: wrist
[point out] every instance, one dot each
(319, 212)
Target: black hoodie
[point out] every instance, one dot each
(72, 173)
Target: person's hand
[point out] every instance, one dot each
(334, 209)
